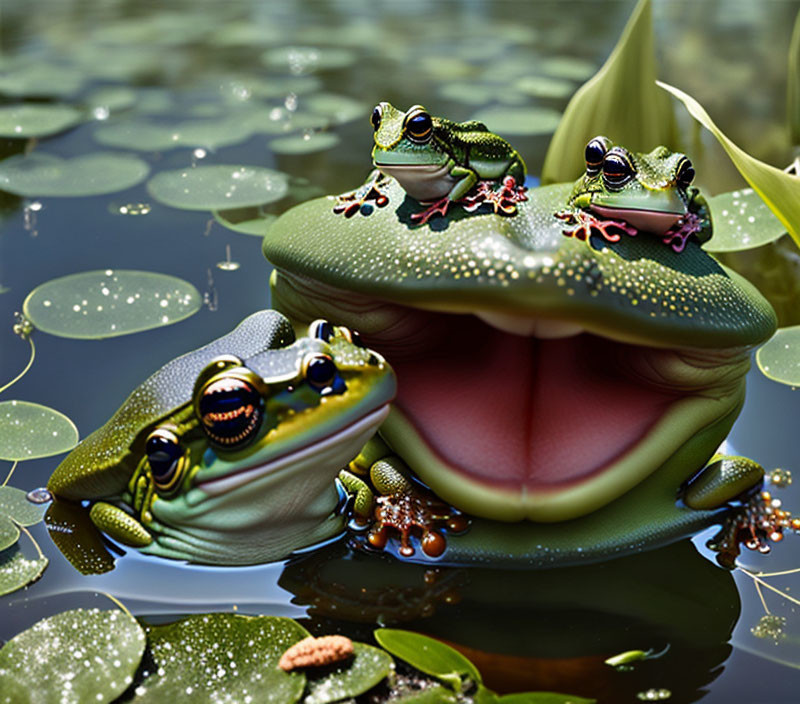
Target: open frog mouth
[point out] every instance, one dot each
(519, 416)
(656, 221)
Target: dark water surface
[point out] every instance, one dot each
(525, 630)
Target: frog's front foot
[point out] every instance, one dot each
(503, 200)
(584, 224)
(677, 235)
(363, 198)
(438, 207)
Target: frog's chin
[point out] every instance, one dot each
(657, 221)
(424, 182)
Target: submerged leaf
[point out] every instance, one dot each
(29, 430)
(88, 175)
(368, 666)
(97, 304)
(17, 571)
(428, 655)
(218, 187)
(779, 357)
(34, 120)
(77, 656)
(778, 189)
(741, 221)
(222, 657)
(620, 101)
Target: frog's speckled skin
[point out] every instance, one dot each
(590, 346)
(240, 505)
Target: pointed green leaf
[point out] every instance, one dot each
(778, 189)
(74, 657)
(30, 430)
(793, 88)
(14, 504)
(428, 655)
(620, 101)
(17, 571)
(368, 666)
(741, 221)
(779, 358)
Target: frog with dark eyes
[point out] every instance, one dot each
(624, 193)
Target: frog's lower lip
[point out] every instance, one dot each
(329, 448)
(645, 220)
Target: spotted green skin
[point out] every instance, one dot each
(386, 273)
(264, 518)
(467, 152)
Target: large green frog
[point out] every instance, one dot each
(228, 454)
(578, 383)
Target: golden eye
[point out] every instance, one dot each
(419, 126)
(164, 455)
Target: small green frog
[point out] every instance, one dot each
(440, 162)
(625, 193)
(228, 454)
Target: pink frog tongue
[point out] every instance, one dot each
(643, 220)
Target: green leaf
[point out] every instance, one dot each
(74, 657)
(525, 121)
(742, 221)
(304, 143)
(430, 695)
(368, 666)
(308, 59)
(543, 698)
(17, 571)
(778, 189)
(97, 304)
(428, 655)
(779, 357)
(29, 431)
(248, 221)
(339, 108)
(9, 533)
(222, 657)
(14, 504)
(793, 86)
(620, 101)
(34, 120)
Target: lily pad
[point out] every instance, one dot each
(470, 92)
(15, 505)
(307, 59)
(248, 221)
(368, 666)
(17, 571)
(222, 657)
(218, 187)
(742, 221)
(569, 67)
(29, 431)
(9, 533)
(304, 143)
(33, 120)
(778, 189)
(88, 175)
(428, 655)
(105, 101)
(517, 121)
(339, 108)
(98, 304)
(76, 656)
(620, 101)
(779, 357)
(544, 86)
(42, 79)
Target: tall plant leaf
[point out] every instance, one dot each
(620, 101)
(778, 189)
(793, 88)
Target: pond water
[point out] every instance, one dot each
(169, 88)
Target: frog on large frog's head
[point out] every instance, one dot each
(540, 376)
(228, 454)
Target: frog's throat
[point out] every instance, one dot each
(656, 221)
(508, 425)
(424, 182)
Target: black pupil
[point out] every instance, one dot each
(686, 175)
(321, 371)
(324, 331)
(376, 118)
(594, 154)
(357, 341)
(230, 410)
(162, 454)
(615, 168)
(419, 124)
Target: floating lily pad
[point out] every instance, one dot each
(146, 136)
(742, 221)
(29, 431)
(526, 121)
(428, 655)
(222, 657)
(304, 143)
(218, 187)
(97, 304)
(470, 92)
(15, 505)
(246, 33)
(248, 221)
(569, 67)
(105, 101)
(544, 87)
(77, 656)
(17, 571)
(349, 679)
(779, 357)
(307, 59)
(33, 120)
(339, 108)
(88, 175)
(42, 79)
(139, 135)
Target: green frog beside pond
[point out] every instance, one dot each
(228, 454)
(575, 384)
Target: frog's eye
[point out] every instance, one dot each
(377, 116)
(685, 174)
(164, 455)
(231, 410)
(595, 151)
(617, 170)
(322, 330)
(419, 126)
(320, 372)
(352, 336)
